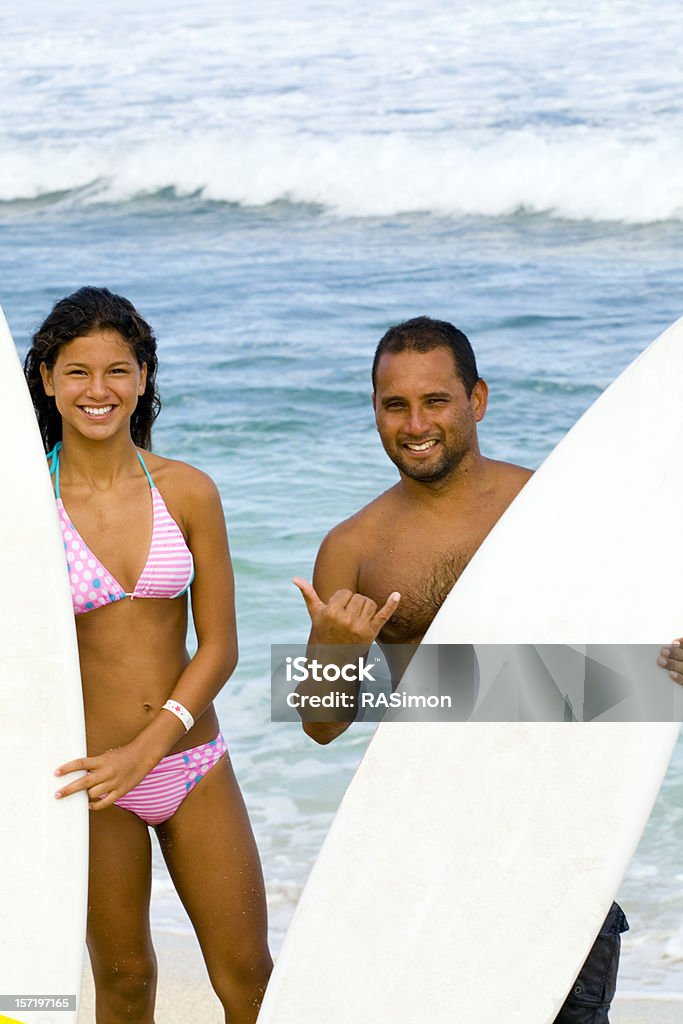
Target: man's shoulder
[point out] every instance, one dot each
(360, 528)
(510, 474)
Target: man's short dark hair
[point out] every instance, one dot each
(422, 334)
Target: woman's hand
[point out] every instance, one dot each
(108, 777)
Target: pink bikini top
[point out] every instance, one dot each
(168, 571)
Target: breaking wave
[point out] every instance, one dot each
(584, 175)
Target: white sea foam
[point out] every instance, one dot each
(574, 111)
(582, 175)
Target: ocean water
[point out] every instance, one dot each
(273, 188)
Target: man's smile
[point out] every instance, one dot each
(421, 446)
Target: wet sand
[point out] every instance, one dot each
(184, 988)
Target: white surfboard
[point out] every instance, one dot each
(43, 843)
(470, 865)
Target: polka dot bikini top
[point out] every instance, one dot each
(168, 571)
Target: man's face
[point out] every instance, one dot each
(426, 421)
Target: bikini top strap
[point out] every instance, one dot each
(142, 463)
(54, 466)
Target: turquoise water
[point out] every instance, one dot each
(273, 190)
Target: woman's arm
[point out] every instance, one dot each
(213, 611)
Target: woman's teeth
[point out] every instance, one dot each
(99, 411)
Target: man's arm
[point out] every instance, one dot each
(340, 617)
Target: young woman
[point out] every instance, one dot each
(140, 531)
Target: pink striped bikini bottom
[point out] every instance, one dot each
(160, 794)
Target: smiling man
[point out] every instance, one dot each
(415, 539)
(384, 573)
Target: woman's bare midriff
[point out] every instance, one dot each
(132, 654)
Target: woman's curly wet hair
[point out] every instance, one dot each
(76, 316)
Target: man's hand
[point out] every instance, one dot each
(347, 618)
(671, 659)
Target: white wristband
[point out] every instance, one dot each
(180, 712)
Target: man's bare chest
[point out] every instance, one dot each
(422, 567)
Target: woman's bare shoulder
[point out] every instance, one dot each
(179, 481)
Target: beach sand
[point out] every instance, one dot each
(185, 994)
(646, 1011)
